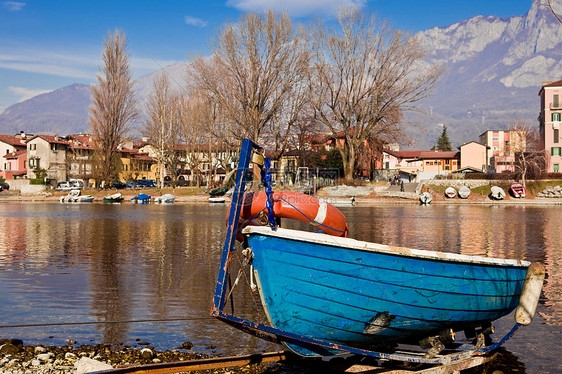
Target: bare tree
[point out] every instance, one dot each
(365, 75)
(113, 106)
(528, 150)
(548, 4)
(189, 114)
(256, 72)
(162, 126)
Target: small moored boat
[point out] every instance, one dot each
(141, 198)
(165, 199)
(75, 196)
(517, 190)
(217, 200)
(464, 192)
(425, 198)
(115, 198)
(497, 193)
(450, 192)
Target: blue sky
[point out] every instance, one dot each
(46, 45)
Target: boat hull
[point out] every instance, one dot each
(358, 293)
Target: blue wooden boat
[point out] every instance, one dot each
(323, 294)
(358, 293)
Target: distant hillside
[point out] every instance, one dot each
(61, 111)
(494, 71)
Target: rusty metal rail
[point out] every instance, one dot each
(202, 364)
(260, 358)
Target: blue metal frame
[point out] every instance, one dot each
(276, 335)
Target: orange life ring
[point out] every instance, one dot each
(301, 207)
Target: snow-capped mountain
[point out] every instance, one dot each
(494, 69)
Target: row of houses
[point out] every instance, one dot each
(495, 151)
(490, 155)
(63, 158)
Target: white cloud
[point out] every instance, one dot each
(194, 21)
(25, 93)
(297, 8)
(13, 6)
(70, 65)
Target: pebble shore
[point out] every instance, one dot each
(15, 357)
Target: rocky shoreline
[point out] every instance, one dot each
(17, 358)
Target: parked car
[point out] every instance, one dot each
(64, 186)
(4, 186)
(75, 184)
(145, 183)
(118, 185)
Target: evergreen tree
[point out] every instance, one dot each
(443, 143)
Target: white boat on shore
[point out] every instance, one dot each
(425, 198)
(450, 192)
(464, 192)
(165, 199)
(497, 193)
(75, 196)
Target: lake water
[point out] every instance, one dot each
(130, 274)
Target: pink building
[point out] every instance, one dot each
(549, 121)
(10, 154)
(14, 165)
(501, 147)
(474, 156)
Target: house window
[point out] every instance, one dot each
(555, 151)
(556, 168)
(387, 165)
(33, 147)
(555, 101)
(291, 164)
(556, 135)
(555, 117)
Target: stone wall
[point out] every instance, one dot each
(24, 187)
(470, 183)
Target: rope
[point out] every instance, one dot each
(269, 193)
(311, 219)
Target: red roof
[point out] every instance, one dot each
(53, 139)
(13, 140)
(553, 84)
(17, 154)
(423, 155)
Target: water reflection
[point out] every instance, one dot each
(63, 263)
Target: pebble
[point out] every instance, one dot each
(39, 349)
(45, 356)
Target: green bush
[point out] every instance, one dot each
(37, 181)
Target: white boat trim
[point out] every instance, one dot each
(325, 239)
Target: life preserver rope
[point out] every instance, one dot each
(301, 207)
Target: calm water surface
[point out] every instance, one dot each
(146, 273)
